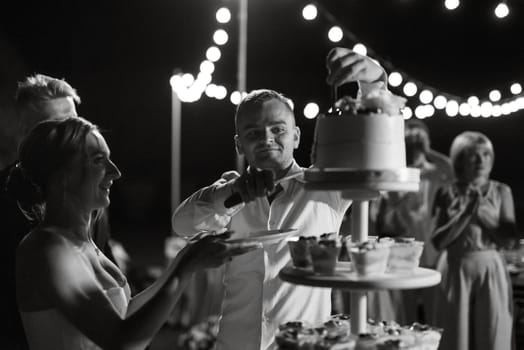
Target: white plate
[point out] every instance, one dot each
(264, 237)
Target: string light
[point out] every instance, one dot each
(311, 110)
(410, 89)
(335, 34)
(360, 49)
(473, 100)
(501, 10)
(440, 102)
(495, 95)
(220, 37)
(235, 97)
(223, 15)
(429, 100)
(309, 12)
(213, 54)
(426, 96)
(407, 112)
(451, 4)
(464, 109)
(395, 79)
(516, 88)
(189, 89)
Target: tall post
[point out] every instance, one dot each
(176, 118)
(242, 62)
(359, 233)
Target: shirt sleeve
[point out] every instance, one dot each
(205, 210)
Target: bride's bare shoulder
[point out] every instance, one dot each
(40, 243)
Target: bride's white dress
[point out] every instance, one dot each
(48, 329)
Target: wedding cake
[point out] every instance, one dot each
(362, 134)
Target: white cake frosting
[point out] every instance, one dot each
(368, 134)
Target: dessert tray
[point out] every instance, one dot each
(344, 277)
(355, 183)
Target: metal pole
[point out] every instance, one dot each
(242, 62)
(359, 233)
(176, 118)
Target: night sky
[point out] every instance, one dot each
(119, 55)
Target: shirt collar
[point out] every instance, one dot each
(293, 169)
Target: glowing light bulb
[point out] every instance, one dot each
(211, 90)
(177, 82)
(429, 111)
(309, 12)
(516, 88)
(520, 102)
(497, 111)
(207, 67)
(204, 78)
(360, 49)
(223, 15)
(440, 102)
(475, 111)
(188, 79)
(410, 89)
(506, 109)
(426, 96)
(213, 54)
(335, 34)
(311, 110)
(452, 108)
(407, 112)
(485, 109)
(495, 95)
(419, 112)
(395, 79)
(464, 109)
(451, 4)
(221, 92)
(220, 37)
(502, 10)
(473, 100)
(236, 97)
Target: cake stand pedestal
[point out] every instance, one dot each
(361, 186)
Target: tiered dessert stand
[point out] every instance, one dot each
(361, 186)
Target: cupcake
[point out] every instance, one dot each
(366, 341)
(397, 343)
(337, 327)
(369, 258)
(336, 342)
(427, 337)
(404, 255)
(296, 335)
(299, 250)
(324, 253)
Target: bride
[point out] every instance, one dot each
(70, 295)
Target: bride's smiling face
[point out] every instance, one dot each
(92, 174)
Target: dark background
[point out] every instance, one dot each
(119, 55)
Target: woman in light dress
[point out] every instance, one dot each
(475, 216)
(71, 296)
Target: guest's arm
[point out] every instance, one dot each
(453, 213)
(502, 225)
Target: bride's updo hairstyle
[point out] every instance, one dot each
(44, 153)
